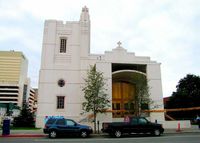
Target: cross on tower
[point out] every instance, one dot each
(119, 44)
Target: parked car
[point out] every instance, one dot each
(133, 125)
(61, 126)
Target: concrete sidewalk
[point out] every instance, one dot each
(39, 133)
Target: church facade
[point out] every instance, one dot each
(65, 60)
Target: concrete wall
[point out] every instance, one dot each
(174, 124)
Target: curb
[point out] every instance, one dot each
(92, 135)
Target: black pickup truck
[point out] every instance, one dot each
(132, 125)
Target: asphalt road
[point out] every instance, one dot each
(168, 138)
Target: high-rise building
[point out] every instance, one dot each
(13, 77)
(32, 100)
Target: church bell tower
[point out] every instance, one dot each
(85, 32)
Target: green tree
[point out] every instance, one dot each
(25, 119)
(94, 93)
(142, 98)
(187, 95)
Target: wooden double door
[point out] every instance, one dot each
(123, 94)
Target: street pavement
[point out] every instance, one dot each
(165, 138)
(39, 132)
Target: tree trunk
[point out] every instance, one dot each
(94, 122)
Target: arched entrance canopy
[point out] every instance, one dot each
(126, 75)
(123, 92)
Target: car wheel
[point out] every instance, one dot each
(118, 133)
(157, 132)
(83, 134)
(52, 134)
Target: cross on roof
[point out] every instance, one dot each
(119, 43)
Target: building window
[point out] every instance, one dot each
(63, 45)
(116, 106)
(129, 106)
(60, 102)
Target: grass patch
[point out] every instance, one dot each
(24, 128)
(21, 128)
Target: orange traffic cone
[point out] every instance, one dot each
(179, 127)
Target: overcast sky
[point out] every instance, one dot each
(168, 31)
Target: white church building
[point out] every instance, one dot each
(65, 60)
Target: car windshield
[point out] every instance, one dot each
(142, 121)
(70, 123)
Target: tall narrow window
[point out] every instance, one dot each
(63, 45)
(60, 102)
